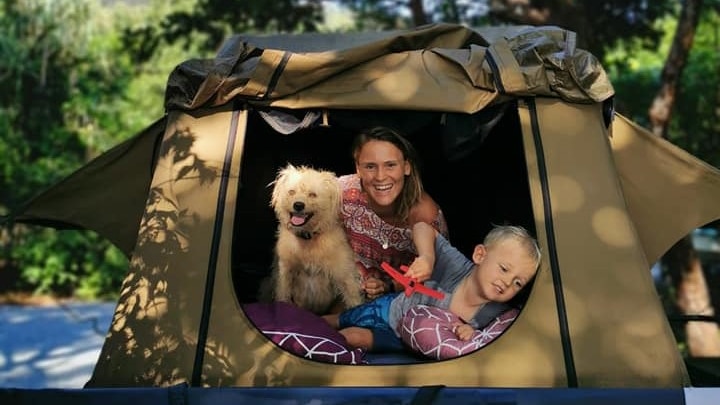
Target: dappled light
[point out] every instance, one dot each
(613, 228)
(658, 179)
(148, 327)
(568, 195)
(392, 83)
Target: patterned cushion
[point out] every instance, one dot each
(429, 331)
(302, 333)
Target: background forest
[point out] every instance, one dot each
(80, 76)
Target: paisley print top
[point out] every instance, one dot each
(374, 240)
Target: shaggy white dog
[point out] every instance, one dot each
(314, 265)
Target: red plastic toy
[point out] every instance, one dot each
(411, 285)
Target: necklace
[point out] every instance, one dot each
(385, 228)
(385, 236)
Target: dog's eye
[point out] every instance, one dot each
(312, 195)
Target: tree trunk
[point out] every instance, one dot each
(520, 12)
(662, 106)
(418, 13)
(693, 298)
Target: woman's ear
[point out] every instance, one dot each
(408, 167)
(479, 253)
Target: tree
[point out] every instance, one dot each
(213, 21)
(684, 266)
(64, 76)
(598, 24)
(675, 63)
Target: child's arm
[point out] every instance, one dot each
(423, 236)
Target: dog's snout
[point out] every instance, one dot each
(298, 205)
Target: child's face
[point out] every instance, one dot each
(502, 269)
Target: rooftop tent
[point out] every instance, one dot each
(513, 124)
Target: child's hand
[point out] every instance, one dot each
(374, 287)
(420, 269)
(463, 331)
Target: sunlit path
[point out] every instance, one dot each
(51, 346)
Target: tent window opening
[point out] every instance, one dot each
(473, 166)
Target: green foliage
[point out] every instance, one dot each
(610, 21)
(598, 23)
(635, 73)
(210, 22)
(71, 92)
(68, 263)
(36, 63)
(696, 118)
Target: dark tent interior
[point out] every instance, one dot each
(472, 165)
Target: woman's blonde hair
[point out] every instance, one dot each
(412, 189)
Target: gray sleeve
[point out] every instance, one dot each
(451, 265)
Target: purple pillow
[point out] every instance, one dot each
(301, 332)
(429, 331)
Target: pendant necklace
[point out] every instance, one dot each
(385, 237)
(385, 244)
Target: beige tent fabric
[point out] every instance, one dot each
(440, 60)
(600, 266)
(659, 180)
(156, 326)
(106, 195)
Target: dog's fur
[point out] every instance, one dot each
(314, 265)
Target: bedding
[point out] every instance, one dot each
(302, 333)
(428, 331)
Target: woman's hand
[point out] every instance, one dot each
(463, 331)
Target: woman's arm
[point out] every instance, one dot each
(427, 210)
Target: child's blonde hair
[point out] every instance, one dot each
(503, 232)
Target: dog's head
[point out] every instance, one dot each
(305, 199)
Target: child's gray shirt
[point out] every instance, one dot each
(451, 267)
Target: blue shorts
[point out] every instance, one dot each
(374, 315)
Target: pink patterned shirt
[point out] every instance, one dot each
(374, 240)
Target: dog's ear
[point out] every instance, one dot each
(277, 184)
(333, 185)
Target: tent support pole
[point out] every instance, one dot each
(212, 262)
(570, 371)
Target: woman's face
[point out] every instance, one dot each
(382, 170)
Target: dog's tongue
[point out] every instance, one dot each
(297, 220)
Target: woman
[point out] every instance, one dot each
(382, 201)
